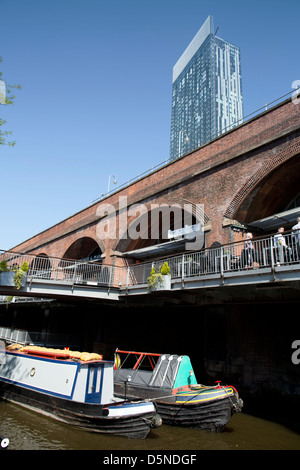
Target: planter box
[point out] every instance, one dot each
(165, 284)
(7, 279)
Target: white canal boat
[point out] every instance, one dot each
(74, 389)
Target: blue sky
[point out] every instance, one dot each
(96, 81)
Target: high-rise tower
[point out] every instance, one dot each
(207, 91)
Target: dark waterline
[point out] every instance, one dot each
(27, 430)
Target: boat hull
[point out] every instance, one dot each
(190, 410)
(85, 416)
(211, 416)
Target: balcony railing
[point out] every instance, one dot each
(268, 252)
(241, 256)
(24, 337)
(60, 270)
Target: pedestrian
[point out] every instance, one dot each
(248, 251)
(296, 239)
(282, 251)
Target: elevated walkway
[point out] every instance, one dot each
(57, 278)
(266, 262)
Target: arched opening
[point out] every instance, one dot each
(162, 230)
(274, 201)
(40, 266)
(81, 262)
(84, 249)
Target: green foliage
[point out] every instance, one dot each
(8, 300)
(18, 278)
(19, 272)
(165, 269)
(9, 99)
(3, 266)
(156, 276)
(25, 267)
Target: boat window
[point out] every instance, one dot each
(91, 380)
(99, 371)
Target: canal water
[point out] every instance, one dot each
(27, 430)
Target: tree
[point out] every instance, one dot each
(6, 98)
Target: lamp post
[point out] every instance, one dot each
(181, 133)
(115, 182)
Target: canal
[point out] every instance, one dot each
(27, 430)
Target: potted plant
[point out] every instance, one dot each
(20, 275)
(6, 275)
(154, 279)
(159, 279)
(166, 273)
(14, 276)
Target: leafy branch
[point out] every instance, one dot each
(6, 98)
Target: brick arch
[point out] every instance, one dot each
(81, 248)
(42, 255)
(273, 163)
(149, 225)
(273, 194)
(183, 202)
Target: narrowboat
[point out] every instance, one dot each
(75, 388)
(170, 382)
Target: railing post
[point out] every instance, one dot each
(127, 277)
(110, 279)
(272, 258)
(272, 254)
(221, 263)
(33, 268)
(182, 269)
(74, 274)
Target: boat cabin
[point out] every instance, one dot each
(153, 370)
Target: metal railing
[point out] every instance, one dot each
(268, 252)
(14, 335)
(240, 256)
(60, 270)
(5, 299)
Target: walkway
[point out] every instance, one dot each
(264, 261)
(57, 278)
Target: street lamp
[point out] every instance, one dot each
(115, 182)
(181, 133)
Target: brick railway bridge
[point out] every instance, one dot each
(247, 175)
(246, 180)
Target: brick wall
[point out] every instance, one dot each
(220, 175)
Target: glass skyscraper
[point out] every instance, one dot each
(206, 93)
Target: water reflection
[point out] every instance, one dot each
(28, 430)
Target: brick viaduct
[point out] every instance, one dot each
(249, 173)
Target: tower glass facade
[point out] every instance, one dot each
(206, 93)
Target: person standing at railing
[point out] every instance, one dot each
(296, 239)
(248, 253)
(282, 251)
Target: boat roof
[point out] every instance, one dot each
(53, 353)
(162, 370)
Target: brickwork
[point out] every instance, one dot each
(224, 175)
